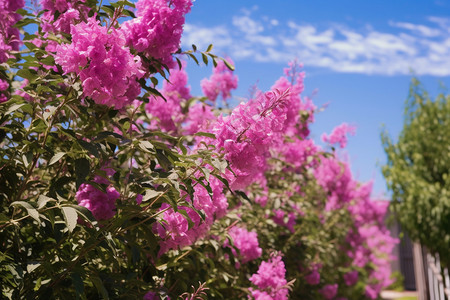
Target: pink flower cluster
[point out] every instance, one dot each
(173, 227)
(339, 135)
(221, 82)
(157, 30)
(270, 280)
(248, 133)
(107, 69)
(4, 85)
(370, 244)
(313, 278)
(280, 216)
(70, 12)
(153, 296)
(329, 291)
(102, 205)
(336, 178)
(168, 113)
(9, 36)
(200, 118)
(246, 242)
(300, 153)
(295, 124)
(351, 278)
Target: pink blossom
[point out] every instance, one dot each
(174, 228)
(167, 113)
(157, 30)
(199, 118)
(69, 11)
(4, 85)
(9, 35)
(248, 133)
(313, 278)
(260, 295)
(221, 82)
(279, 218)
(153, 296)
(270, 278)
(351, 278)
(300, 153)
(372, 292)
(299, 112)
(329, 291)
(246, 242)
(107, 69)
(139, 199)
(102, 205)
(336, 178)
(339, 135)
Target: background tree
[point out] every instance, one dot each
(418, 170)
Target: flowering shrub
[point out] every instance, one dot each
(115, 186)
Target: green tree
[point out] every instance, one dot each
(418, 170)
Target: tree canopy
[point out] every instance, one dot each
(418, 170)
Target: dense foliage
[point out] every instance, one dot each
(418, 170)
(115, 186)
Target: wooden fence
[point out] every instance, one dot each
(432, 279)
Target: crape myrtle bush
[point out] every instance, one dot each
(114, 185)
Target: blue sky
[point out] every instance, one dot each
(358, 57)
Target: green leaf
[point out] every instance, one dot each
(146, 146)
(49, 60)
(23, 22)
(56, 158)
(89, 147)
(163, 160)
(228, 64)
(14, 108)
(100, 287)
(220, 165)
(128, 13)
(104, 134)
(29, 74)
(32, 212)
(70, 217)
(3, 218)
(205, 59)
(78, 284)
(109, 9)
(43, 200)
(154, 80)
(180, 65)
(210, 47)
(84, 212)
(150, 194)
(82, 169)
(181, 146)
(194, 58)
(206, 134)
(32, 266)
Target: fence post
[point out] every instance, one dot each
(419, 272)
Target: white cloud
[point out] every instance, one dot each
(203, 36)
(425, 49)
(420, 29)
(247, 25)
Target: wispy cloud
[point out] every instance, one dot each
(423, 48)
